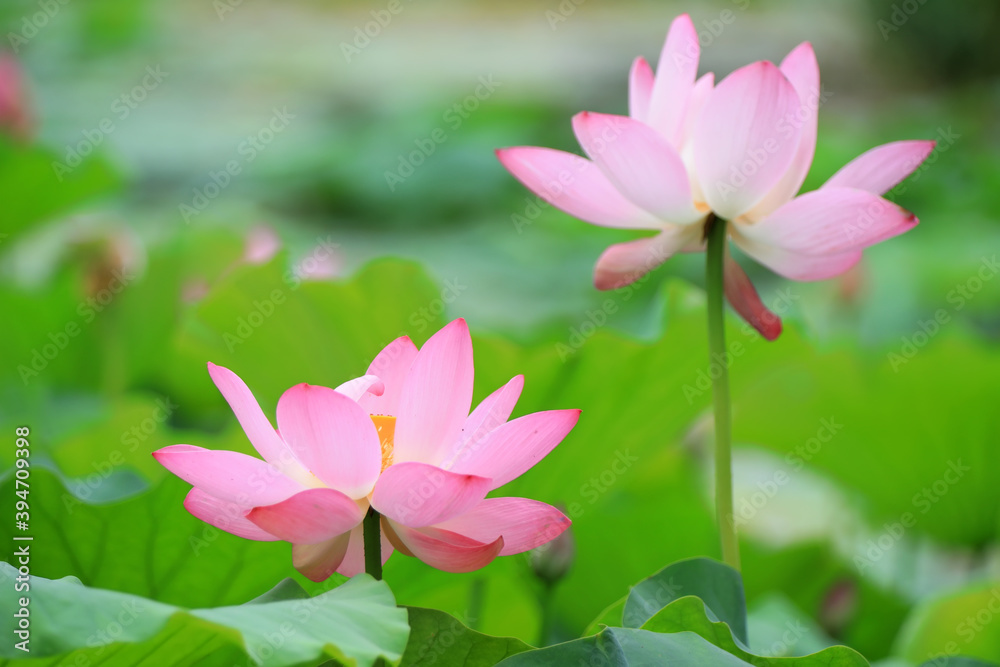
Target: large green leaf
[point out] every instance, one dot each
(965, 623)
(628, 647)
(71, 624)
(437, 638)
(690, 614)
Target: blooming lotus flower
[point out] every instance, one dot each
(399, 439)
(690, 150)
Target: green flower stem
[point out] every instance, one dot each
(373, 543)
(715, 233)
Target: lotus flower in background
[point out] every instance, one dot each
(15, 117)
(399, 439)
(690, 150)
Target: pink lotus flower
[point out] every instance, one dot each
(739, 150)
(399, 439)
(15, 118)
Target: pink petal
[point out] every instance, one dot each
(574, 185)
(251, 418)
(699, 95)
(224, 515)
(317, 562)
(798, 266)
(354, 560)
(391, 366)
(493, 411)
(640, 163)
(229, 476)
(883, 167)
(744, 299)
(443, 549)
(675, 75)
(624, 263)
(332, 436)
(358, 387)
(522, 523)
(802, 70)
(309, 517)
(436, 396)
(418, 494)
(831, 221)
(640, 89)
(513, 448)
(743, 142)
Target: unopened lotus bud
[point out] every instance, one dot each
(553, 560)
(15, 118)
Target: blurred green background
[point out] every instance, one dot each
(283, 188)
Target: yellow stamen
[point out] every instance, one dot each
(386, 427)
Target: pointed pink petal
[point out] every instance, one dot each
(743, 142)
(418, 494)
(522, 523)
(675, 75)
(358, 387)
(513, 448)
(802, 70)
(317, 562)
(229, 476)
(391, 366)
(251, 418)
(493, 411)
(744, 299)
(883, 167)
(445, 550)
(224, 515)
(798, 266)
(574, 185)
(354, 560)
(831, 221)
(332, 436)
(640, 163)
(309, 517)
(640, 89)
(699, 95)
(624, 263)
(436, 396)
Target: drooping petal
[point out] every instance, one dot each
(640, 89)
(229, 476)
(251, 418)
(802, 70)
(443, 549)
(418, 494)
(390, 365)
(675, 75)
(493, 411)
(309, 517)
(640, 163)
(699, 95)
(831, 221)
(516, 446)
(333, 436)
(798, 266)
(883, 167)
(436, 396)
(358, 387)
(743, 297)
(743, 142)
(575, 185)
(354, 559)
(522, 523)
(317, 562)
(224, 515)
(624, 263)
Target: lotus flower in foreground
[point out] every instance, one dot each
(741, 151)
(399, 439)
